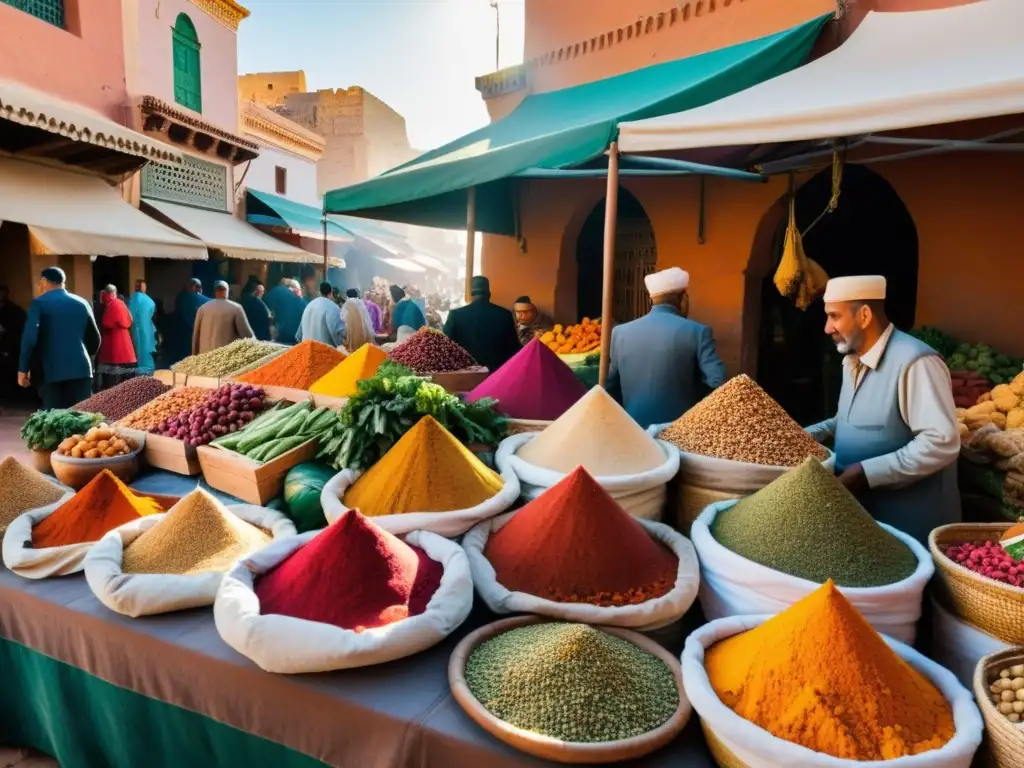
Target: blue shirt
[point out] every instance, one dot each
(408, 313)
(321, 321)
(287, 309)
(258, 315)
(61, 336)
(143, 331)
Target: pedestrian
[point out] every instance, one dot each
(187, 306)
(286, 305)
(485, 330)
(58, 343)
(356, 318)
(116, 348)
(12, 325)
(321, 320)
(376, 317)
(219, 322)
(256, 311)
(143, 309)
(406, 311)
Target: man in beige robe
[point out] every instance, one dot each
(219, 322)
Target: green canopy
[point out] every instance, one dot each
(561, 129)
(276, 211)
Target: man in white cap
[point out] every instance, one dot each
(896, 440)
(659, 361)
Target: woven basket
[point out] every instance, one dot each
(688, 501)
(1005, 740)
(721, 753)
(995, 608)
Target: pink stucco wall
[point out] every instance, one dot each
(83, 63)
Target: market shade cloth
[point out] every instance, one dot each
(558, 130)
(235, 238)
(70, 213)
(276, 211)
(897, 70)
(27, 106)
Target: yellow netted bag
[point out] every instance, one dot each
(790, 274)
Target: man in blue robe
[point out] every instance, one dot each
(143, 330)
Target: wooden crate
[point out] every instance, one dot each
(247, 479)
(171, 454)
(325, 401)
(460, 381)
(204, 382)
(164, 377)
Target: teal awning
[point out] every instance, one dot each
(305, 220)
(561, 129)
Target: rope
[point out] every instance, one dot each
(838, 162)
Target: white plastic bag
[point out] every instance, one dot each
(958, 646)
(22, 559)
(143, 594)
(448, 524)
(642, 495)
(731, 585)
(291, 646)
(650, 615)
(756, 748)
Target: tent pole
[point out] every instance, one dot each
(470, 238)
(611, 211)
(325, 246)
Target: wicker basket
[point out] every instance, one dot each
(995, 608)
(721, 753)
(1005, 740)
(688, 501)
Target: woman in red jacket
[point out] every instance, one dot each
(116, 348)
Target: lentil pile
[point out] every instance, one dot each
(198, 535)
(1008, 693)
(808, 525)
(818, 675)
(103, 505)
(298, 368)
(599, 435)
(430, 351)
(225, 360)
(341, 380)
(165, 407)
(23, 489)
(117, 402)
(572, 682)
(574, 544)
(352, 575)
(739, 421)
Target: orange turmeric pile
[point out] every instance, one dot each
(820, 676)
(584, 337)
(298, 368)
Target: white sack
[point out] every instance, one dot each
(650, 615)
(22, 559)
(731, 585)
(757, 748)
(959, 646)
(143, 594)
(448, 524)
(642, 495)
(291, 646)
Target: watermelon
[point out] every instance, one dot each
(302, 487)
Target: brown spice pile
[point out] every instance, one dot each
(166, 406)
(22, 489)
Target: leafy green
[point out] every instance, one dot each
(45, 430)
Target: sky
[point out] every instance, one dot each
(419, 56)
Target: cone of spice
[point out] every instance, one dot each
(343, 379)
(597, 433)
(818, 675)
(22, 489)
(103, 505)
(298, 368)
(533, 385)
(430, 351)
(575, 544)
(353, 575)
(198, 535)
(427, 470)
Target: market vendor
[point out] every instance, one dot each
(895, 432)
(529, 321)
(659, 361)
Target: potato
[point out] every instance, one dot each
(91, 434)
(109, 453)
(104, 434)
(77, 452)
(118, 444)
(66, 445)
(102, 445)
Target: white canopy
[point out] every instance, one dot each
(897, 70)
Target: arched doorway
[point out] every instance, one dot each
(636, 256)
(871, 232)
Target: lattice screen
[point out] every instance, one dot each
(196, 183)
(47, 10)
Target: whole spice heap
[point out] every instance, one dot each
(224, 410)
(198, 535)
(23, 489)
(167, 406)
(117, 402)
(572, 682)
(352, 575)
(342, 380)
(987, 559)
(574, 544)
(430, 351)
(808, 525)
(739, 421)
(1008, 692)
(45, 430)
(100, 442)
(103, 505)
(298, 368)
(427, 470)
(597, 433)
(226, 360)
(534, 384)
(818, 675)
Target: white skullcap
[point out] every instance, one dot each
(671, 280)
(857, 288)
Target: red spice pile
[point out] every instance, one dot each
(574, 544)
(353, 575)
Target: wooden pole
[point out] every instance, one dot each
(470, 238)
(325, 246)
(611, 211)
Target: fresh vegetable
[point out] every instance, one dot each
(279, 431)
(99, 442)
(302, 487)
(1003, 407)
(45, 430)
(938, 340)
(988, 559)
(225, 410)
(584, 337)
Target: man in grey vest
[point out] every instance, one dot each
(896, 440)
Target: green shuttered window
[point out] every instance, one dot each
(188, 80)
(47, 10)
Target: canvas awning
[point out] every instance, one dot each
(275, 211)
(560, 129)
(70, 213)
(896, 71)
(234, 237)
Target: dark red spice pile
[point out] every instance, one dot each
(353, 575)
(430, 351)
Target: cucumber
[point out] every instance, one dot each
(282, 446)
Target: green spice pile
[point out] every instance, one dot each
(230, 359)
(572, 682)
(22, 489)
(808, 525)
